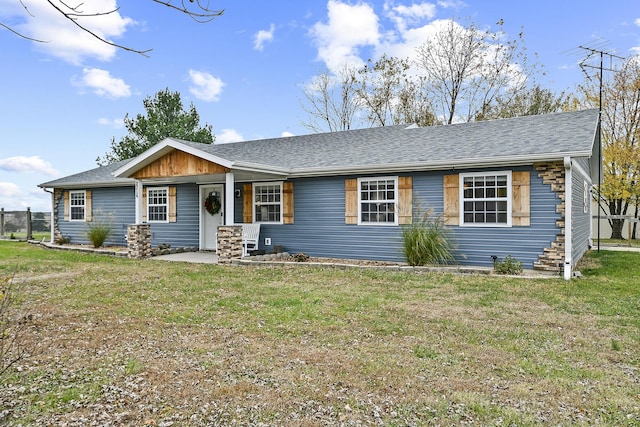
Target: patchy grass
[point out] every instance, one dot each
(151, 342)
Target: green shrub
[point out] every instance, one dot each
(99, 229)
(509, 265)
(427, 241)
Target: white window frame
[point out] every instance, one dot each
(385, 200)
(509, 198)
(256, 203)
(83, 206)
(150, 190)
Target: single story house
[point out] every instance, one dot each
(518, 186)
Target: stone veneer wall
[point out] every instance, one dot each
(57, 196)
(229, 243)
(553, 173)
(139, 241)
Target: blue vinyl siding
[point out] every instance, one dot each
(117, 203)
(319, 227)
(186, 230)
(476, 245)
(581, 220)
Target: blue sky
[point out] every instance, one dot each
(63, 101)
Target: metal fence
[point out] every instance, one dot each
(23, 222)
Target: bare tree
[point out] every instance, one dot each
(468, 68)
(391, 95)
(199, 11)
(331, 101)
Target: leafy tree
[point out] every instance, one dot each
(527, 102)
(38, 222)
(620, 141)
(75, 12)
(165, 117)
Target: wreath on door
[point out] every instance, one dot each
(212, 203)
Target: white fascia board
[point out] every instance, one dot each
(91, 184)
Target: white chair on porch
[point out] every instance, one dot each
(250, 236)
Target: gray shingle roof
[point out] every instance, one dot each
(516, 140)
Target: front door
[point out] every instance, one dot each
(211, 215)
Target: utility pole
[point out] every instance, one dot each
(591, 52)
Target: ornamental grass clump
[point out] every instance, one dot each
(99, 230)
(427, 241)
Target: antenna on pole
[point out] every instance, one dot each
(598, 53)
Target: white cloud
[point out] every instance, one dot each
(9, 190)
(39, 20)
(23, 164)
(286, 134)
(404, 16)
(637, 22)
(263, 36)
(205, 86)
(15, 198)
(349, 28)
(228, 135)
(103, 84)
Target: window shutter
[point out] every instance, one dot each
(144, 205)
(351, 201)
(287, 195)
(66, 206)
(247, 204)
(452, 199)
(405, 200)
(88, 209)
(172, 205)
(520, 202)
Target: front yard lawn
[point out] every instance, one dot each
(126, 342)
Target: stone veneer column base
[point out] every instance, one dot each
(552, 173)
(229, 243)
(139, 241)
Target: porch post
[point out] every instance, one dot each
(138, 201)
(229, 213)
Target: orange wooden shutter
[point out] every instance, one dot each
(521, 200)
(88, 206)
(247, 204)
(452, 199)
(287, 195)
(173, 217)
(66, 206)
(351, 201)
(405, 200)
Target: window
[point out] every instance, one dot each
(377, 200)
(77, 205)
(486, 199)
(267, 202)
(157, 204)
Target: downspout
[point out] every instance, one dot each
(568, 223)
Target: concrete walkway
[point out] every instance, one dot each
(201, 257)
